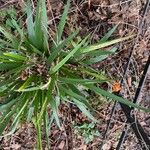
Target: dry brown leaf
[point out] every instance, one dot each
(83, 147)
(15, 146)
(116, 87)
(107, 146)
(61, 145)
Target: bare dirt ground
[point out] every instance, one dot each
(98, 16)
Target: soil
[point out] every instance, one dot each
(97, 17)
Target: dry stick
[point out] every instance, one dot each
(113, 5)
(8, 4)
(125, 72)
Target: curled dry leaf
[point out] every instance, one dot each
(116, 87)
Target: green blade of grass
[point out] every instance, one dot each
(93, 73)
(52, 101)
(42, 87)
(56, 50)
(6, 34)
(46, 125)
(108, 34)
(5, 120)
(26, 83)
(41, 27)
(99, 53)
(16, 70)
(10, 37)
(7, 116)
(98, 58)
(7, 81)
(13, 129)
(75, 95)
(15, 24)
(39, 136)
(38, 26)
(23, 105)
(5, 106)
(116, 98)
(55, 111)
(102, 45)
(84, 110)
(95, 60)
(4, 43)
(14, 56)
(9, 66)
(31, 111)
(62, 22)
(44, 103)
(62, 62)
(75, 89)
(30, 114)
(69, 73)
(30, 24)
(78, 81)
(45, 27)
(35, 50)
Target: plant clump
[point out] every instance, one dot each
(37, 75)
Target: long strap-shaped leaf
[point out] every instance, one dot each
(108, 34)
(5, 120)
(75, 95)
(35, 88)
(5, 106)
(102, 45)
(78, 81)
(62, 62)
(56, 50)
(62, 22)
(99, 58)
(9, 65)
(14, 56)
(80, 101)
(49, 98)
(84, 110)
(39, 34)
(10, 37)
(116, 98)
(30, 24)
